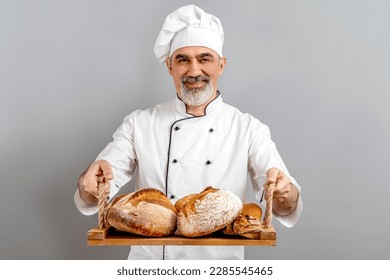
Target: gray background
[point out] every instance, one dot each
(316, 72)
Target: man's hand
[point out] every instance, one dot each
(285, 197)
(89, 180)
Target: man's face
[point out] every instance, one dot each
(195, 72)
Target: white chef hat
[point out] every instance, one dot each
(189, 26)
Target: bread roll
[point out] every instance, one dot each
(206, 212)
(248, 223)
(145, 212)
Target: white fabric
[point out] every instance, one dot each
(189, 26)
(182, 154)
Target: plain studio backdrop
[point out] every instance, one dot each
(316, 72)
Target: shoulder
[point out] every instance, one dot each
(245, 120)
(144, 117)
(144, 114)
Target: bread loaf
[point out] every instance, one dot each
(145, 212)
(181, 202)
(248, 223)
(206, 212)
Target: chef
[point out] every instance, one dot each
(193, 141)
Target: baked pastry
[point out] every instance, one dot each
(207, 212)
(145, 212)
(248, 223)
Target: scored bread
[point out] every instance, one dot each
(207, 212)
(145, 212)
(182, 201)
(248, 223)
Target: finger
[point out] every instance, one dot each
(272, 175)
(282, 183)
(283, 189)
(90, 183)
(281, 194)
(103, 167)
(107, 171)
(95, 167)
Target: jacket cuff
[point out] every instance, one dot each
(84, 208)
(291, 219)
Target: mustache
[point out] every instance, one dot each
(199, 78)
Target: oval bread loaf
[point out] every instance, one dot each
(145, 212)
(207, 212)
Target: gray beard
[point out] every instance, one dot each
(196, 97)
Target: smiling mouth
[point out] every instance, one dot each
(198, 84)
(195, 83)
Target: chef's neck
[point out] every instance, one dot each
(201, 109)
(196, 110)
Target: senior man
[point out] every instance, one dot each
(193, 141)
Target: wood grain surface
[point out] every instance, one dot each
(111, 237)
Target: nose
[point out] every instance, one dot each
(194, 69)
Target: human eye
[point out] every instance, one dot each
(183, 60)
(205, 59)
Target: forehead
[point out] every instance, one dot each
(194, 51)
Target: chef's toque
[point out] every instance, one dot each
(189, 26)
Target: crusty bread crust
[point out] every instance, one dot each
(145, 212)
(207, 212)
(248, 223)
(182, 201)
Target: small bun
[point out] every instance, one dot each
(207, 212)
(252, 209)
(145, 212)
(248, 223)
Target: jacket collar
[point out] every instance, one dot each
(211, 108)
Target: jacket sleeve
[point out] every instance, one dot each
(263, 155)
(120, 153)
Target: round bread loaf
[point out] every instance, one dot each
(182, 201)
(248, 223)
(145, 212)
(207, 212)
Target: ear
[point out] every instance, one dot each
(169, 66)
(222, 63)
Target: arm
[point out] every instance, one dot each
(265, 167)
(116, 163)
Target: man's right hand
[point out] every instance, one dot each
(89, 180)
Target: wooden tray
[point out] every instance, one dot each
(109, 236)
(112, 237)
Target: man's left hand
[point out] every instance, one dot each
(285, 195)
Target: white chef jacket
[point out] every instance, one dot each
(180, 154)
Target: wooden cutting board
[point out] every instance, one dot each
(112, 237)
(109, 236)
